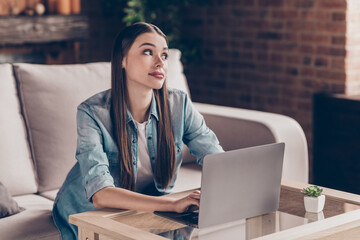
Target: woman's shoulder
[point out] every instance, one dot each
(101, 99)
(177, 98)
(173, 92)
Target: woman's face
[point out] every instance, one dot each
(146, 62)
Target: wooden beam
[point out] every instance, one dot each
(42, 29)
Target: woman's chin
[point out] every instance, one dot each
(158, 85)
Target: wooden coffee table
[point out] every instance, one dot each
(340, 219)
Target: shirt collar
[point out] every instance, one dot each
(153, 110)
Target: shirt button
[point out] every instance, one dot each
(149, 137)
(134, 140)
(178, 150)
(153, 158)
(134, 163)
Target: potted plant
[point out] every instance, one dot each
(314, 201)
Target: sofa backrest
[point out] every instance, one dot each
(50, 95)
(16, 168)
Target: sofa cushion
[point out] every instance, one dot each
(16, 171)
(50, 95)
(8, 206)
(32, 224)
(188, 178)
(176, 77)
(50, 194)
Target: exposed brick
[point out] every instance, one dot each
(273, 55)
(235, 44)
(307, 106)
(217, 11)
(331, 75)
(292, 71)
(271, 3)
(338, 40)
(338, 16)
(337, 88)
(307, 72)
(277, 25)
(243, 13)
(300, 26)
(243, 3)
(287, 47)
(322, 50)
(304, 94)
(257, 24)
(323, 15)
(307, 60)
(300, 3)
(248, 44)
(269, 36)
(321, 62)
(239, 34)
(293, 59)
(292, 37)
(262, 45)
(308, 15)
(288, 92)
(284, 14)
(307, 49)
(276, 58)
(331, 27)
(262, 57)
(307, 83)
(313, 38)
(243, 65)
(332, 4)
(338, 64)
(270, 68)
(283, 80)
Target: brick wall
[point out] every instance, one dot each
(352, 61)
(273, 55)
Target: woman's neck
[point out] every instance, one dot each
(139, 103)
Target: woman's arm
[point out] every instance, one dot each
(198, 137)
(113, 197)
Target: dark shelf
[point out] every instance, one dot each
(336, 162)
(21, 30)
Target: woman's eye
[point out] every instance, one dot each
(165, 56)
(147, 52)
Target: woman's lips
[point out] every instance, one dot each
(158, 75)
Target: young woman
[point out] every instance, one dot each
(130, 137)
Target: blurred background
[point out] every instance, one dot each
(300, 58)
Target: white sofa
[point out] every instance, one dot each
(38, 136)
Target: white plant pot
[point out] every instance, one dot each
(314, 204)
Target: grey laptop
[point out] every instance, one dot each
(236, 184)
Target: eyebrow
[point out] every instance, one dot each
(153, 45)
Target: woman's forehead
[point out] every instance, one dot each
(150, 38)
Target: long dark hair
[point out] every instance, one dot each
(165, 163)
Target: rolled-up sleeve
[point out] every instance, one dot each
(93, 161)
(198, 137)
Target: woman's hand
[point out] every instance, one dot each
(190, 201)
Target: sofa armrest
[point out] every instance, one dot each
(239, 128)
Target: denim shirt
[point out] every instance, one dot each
(98, 156)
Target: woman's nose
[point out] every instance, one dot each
(159, 62)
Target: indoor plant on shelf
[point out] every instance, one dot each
(314, 201)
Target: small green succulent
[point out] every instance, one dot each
(312, 191)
